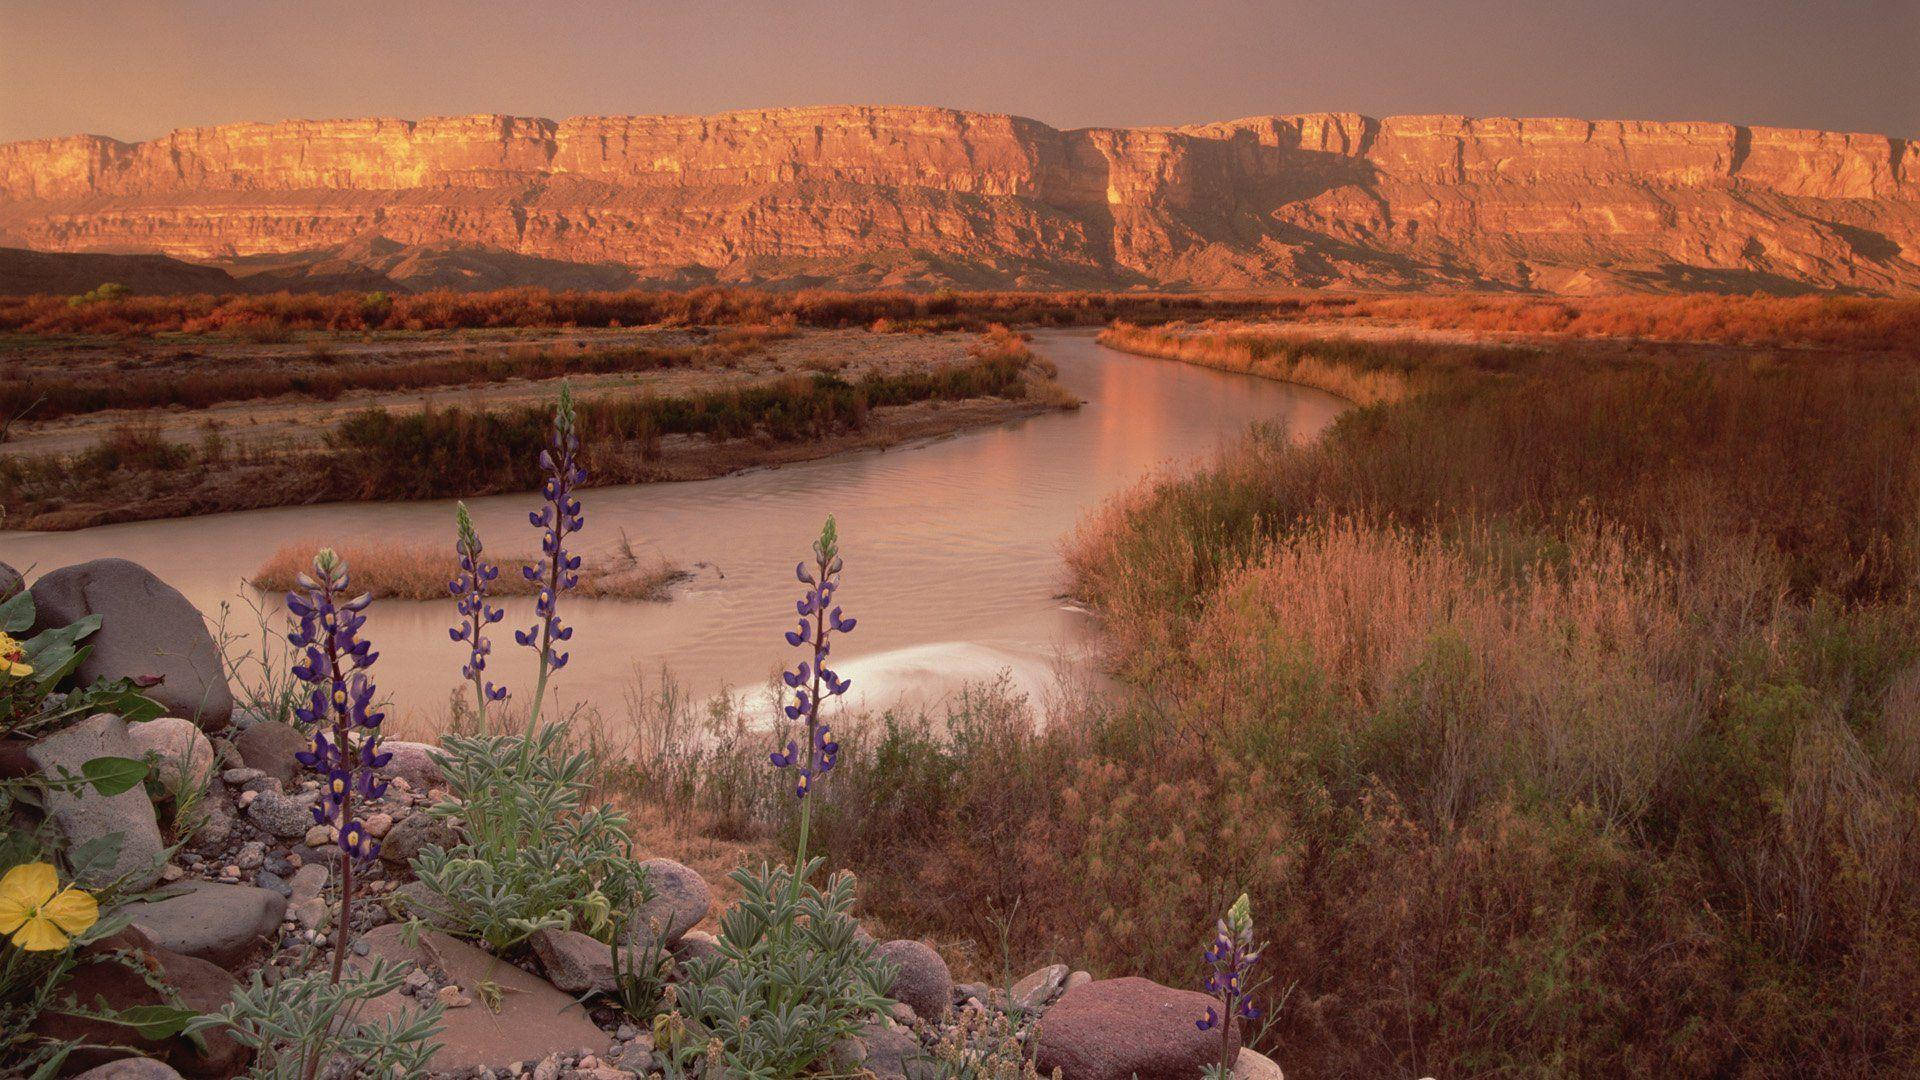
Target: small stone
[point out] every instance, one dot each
(1039, 987)
(230, 871)
(921, 978)
(247, 797)
(236, 777)
(267, 879)
(377, 825)
(321, 835)
(171, 872)
(252, 854)
(1078, 978)
(451, 997)
(285, 816)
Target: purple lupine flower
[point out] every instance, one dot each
(1230, 956)
(558, 571)
(812, 681)
(340, 709)
(471, 589)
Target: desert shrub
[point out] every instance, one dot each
(303, 1015)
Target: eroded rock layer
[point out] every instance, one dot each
(873, 196)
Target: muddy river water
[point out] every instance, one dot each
(953, 547)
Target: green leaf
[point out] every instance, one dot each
(101, 853)
(113, 775)
(153, 1022)
(16, 614)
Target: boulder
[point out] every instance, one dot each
(1120, 1029)
(921, 979)
(416, 763)
(146, 628)
(133, 1068)
(416, 900)
(183, 756)
(892, 1053)
(225, 924)
(269, 746)
(1039, 987)
(575, 962)
(695, 945)
(87, 815)
(1251, 1065)
(197, 984)
(681, 899)
(534, 1018)
(412, 833)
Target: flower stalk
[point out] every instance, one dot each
(812, 681)
(1230, 956)
(560, 517)
(471, 590)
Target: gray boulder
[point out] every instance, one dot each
(183, 757)
(146, 628)
(695, 946)
(87, 815)
(269, 746)
(892, 1053)
(285, 816)
(681, 899)
(1039, 987)
(922, 979)
(416, 763)
(1122, 1029)
(575, 962)
(411, 834)
(224, 924)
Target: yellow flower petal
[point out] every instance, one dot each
(31, 884)
(15, 668)
(73, 910)
(13, 914)
(39, 935)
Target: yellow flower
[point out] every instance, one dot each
(39, 914)
(11, 657)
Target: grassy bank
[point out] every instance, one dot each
(422, 571)
(1560, 720)
(136, 473)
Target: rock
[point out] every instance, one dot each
(224, 924)
(417, 900)
(416, 763)
(183, 755)
(285, 816)
(196, 983)
(408, 836)
(1118, 1029)
(10, 582)
(146, 628)
(1251, 1065)
(134, 1068)
(251, 855)
(239, 776)
(87, 815)
(309, 883)
(216, 821)
(1039, 987)
(575, 962)
(268, 747)
(891, 1053)
(681, 899)
(922, 980)
(1078, 978)
(535, 1018)
(321, 835)
(452, 997)
(695, 946)
(378, 824)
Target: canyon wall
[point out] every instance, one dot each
(859, 196)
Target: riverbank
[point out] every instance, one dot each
(678, 412)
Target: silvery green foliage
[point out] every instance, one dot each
(289, 1022)
(530, 857)
(790, 980)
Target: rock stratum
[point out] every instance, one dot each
(866, 197)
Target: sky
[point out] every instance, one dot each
(134, 69)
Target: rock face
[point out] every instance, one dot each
(886, 195)
(1116, 1029)
(86, 815)
(146, 628)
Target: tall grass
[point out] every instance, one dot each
(417, 571)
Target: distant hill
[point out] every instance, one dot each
(855, 197)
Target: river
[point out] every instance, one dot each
(952, 547)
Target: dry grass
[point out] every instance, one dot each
(1333, 366)
(423, 571)
(1822, 321)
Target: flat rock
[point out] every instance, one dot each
(133, 1068)
(190, 982)
(681, 899)
(575, 962)
(535, 1018)
(86, 815)
(1122, 1029)
(146, 628)
(415, 762)
(1039, 987)
(224, 924)
(269, 746)
(922, 979)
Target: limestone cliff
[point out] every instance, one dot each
(873, 196)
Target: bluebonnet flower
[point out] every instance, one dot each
(1230, 957)
(340, 709)
(471, 587)
(812, 681)
(560, 517)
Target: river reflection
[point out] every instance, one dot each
(952, 547)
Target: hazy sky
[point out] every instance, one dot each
(138, 68)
